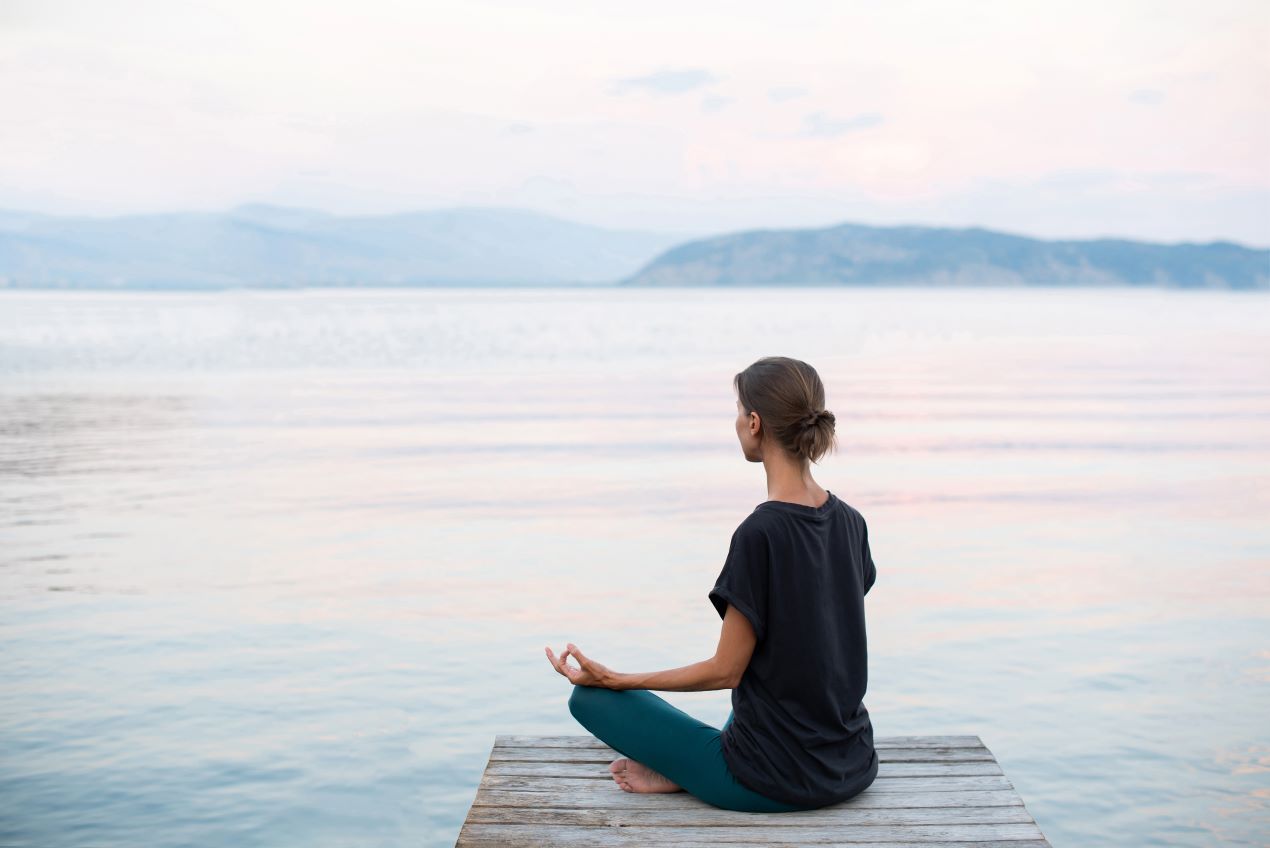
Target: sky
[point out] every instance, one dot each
(1079, 119)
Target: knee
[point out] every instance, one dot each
(584, 700)
(578, 700)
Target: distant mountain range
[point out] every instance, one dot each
(269, 246)
(856, 255)
(262, 246)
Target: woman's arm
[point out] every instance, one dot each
(722, 671)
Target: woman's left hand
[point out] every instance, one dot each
(591, 673)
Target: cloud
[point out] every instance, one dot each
(714, 102)
(1147, 96)
(518, 129)
(666, 82)
(1082, 179)
(1076, 179)
(782, 93)
(819, 124)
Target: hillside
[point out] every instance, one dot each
(268, 246)
(857, 255)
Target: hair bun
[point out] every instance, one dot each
(816, 416)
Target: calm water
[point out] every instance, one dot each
(276, 567)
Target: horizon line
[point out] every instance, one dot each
(687, 236)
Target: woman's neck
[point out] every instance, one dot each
(787, 481)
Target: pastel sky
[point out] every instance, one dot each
(1076, 119)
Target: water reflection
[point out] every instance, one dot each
(284, 589)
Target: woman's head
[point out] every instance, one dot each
(781, 402)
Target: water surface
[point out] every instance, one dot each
(275, 567)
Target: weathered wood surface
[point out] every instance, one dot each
(931, 791)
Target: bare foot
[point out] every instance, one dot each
(637, 777)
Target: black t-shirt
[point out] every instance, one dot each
(800, 732)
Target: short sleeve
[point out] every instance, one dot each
(870, 571)
(743, 580)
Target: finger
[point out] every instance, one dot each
(562, 664)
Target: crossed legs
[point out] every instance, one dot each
(670, 749)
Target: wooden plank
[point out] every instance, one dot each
(920, 835)
(931, 792)
(682, 800)
(881, 742)
(490, 836)
(885, 769)
(597, 755)
(581, 771)
(704, 815)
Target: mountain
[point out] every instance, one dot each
(269, 246)
(857, 255)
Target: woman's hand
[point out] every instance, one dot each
(591, 673)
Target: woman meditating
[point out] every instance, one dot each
(792, 647)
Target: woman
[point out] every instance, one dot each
(792, 646)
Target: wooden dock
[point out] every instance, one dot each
(931, 791)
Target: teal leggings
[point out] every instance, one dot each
(649, 730)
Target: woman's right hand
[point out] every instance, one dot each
(591, 672)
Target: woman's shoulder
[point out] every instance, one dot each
(850, 511)
(758, 522)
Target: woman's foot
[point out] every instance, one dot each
(637, 777)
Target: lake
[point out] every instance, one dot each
(275, 567)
